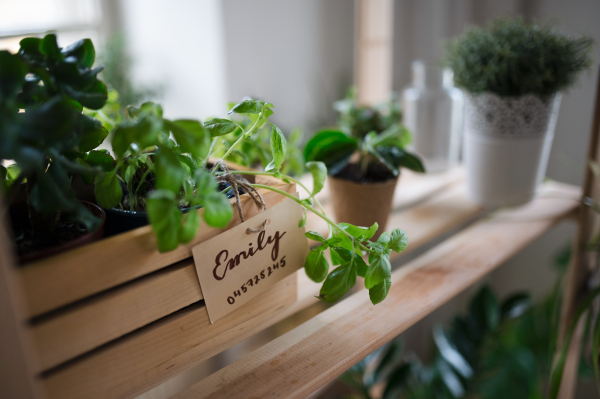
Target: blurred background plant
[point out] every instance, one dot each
(513, 58)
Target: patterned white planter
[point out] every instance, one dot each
(507, 143)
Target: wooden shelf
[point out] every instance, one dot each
(304, 359)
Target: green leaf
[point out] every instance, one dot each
(101, 159)
(379, 292)
(361, 266)
(313, 235)
(165, 217)
(190, 135)
(340, 256)
(316, 265)
(278, 146)
(92, 138)
(397, 381)
(189, 227)
(400, 158)
(398, 241)
(485, 310)
(248, 107)
(596, 351)
(87, 178)
(49, 47)
(3, 180)
(168, 171)
(12, 74)
(450, 379)
(318, 170)
(515, 306)
(390, 357)
(331, 147)
(450, 353)
(218, 211)
(379, 269)
(338, 283)
(93, 97)
(123, 136)
(107, 190)
(205, 182)
(219, 127)
(384, 239)
(360, 233)
(83, 51)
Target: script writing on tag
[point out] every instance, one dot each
(235, 266)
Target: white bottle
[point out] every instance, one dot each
(433, 112)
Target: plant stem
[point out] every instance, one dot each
(242, 137)
(212, 146)
(313, 210)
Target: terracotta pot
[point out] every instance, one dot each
(20, 211)
(362, 204)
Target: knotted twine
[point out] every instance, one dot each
(237, 181)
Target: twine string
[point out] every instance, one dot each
(238, 181)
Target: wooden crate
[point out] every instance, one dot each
(98, 309)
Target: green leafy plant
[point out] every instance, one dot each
(513, 58)
(495, 350)
(52, 140)
(255, 150)
(374, 132)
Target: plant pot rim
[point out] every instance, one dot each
(88, 237)
(360, 183)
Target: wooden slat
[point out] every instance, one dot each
(107, 317)
(17, 360)
(578, 272)
(62, 279)
(93, 323)
(136, 363)
(299, 362)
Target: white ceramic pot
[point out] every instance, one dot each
(507, 143)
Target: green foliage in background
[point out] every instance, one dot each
(513, 58)
(375, 132)
(52, 140)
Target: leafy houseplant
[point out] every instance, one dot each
(495, 350)
(52, 141)
(179, 172)
(513, 73)
(364, 157)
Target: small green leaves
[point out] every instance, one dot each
(398, 241)
(318, 170)
(379, 292)
(189, 227)
(338, 283)
(107, 190)
(218, 211)
(379, 269)
(169, 173)
(278, 146)
(249, 107)
(315, 265)
(219, 127)
(165, 218)
(313, 235)
(360, 233)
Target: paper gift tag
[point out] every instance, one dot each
(235, 266)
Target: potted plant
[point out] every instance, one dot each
(513, 73)
(50, 142)
(364, 157)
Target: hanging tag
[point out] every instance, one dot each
(241, 263)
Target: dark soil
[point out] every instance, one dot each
(376, 173)
(28, 243)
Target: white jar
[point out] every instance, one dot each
(507, 144)
(432, 109)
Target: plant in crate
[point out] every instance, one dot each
(513, 73)
(364, 157)
(142, 145)
(51, 141)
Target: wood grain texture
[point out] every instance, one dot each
(65, 278)
(146, 358)
(299, 362)
(118, 312)
(18, 363)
